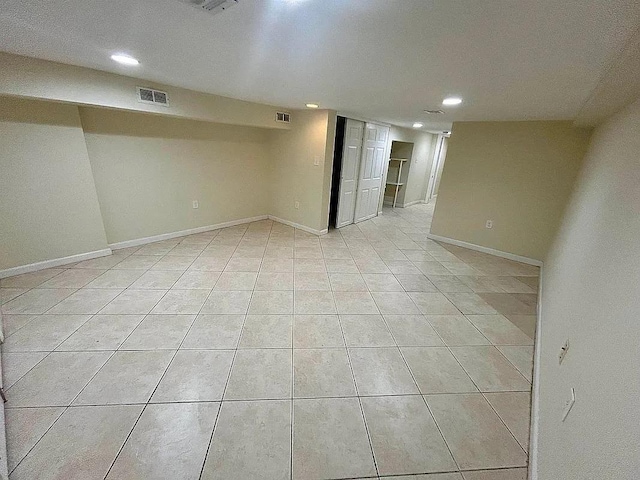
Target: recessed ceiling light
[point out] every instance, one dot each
(452, 101)
(312, 105)
(418, 125)
(124, 59)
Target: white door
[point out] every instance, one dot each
(349, 175)
(371, 170)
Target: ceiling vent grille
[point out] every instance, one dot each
(283, 117)
(434, 112)
(149, 95)
(211, 6)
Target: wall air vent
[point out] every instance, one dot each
(148, 95)
(283, 117)
(211, 6)
(434, 112)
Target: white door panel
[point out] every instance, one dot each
(371, 171)
(350, 169)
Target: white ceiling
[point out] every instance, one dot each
(381, 59)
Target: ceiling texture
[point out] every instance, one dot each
(386, 60)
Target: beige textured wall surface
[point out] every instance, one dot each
(48, 203)
(34, 78)
(518, 174)
(293, 175)
(591, 295)
(149, 169)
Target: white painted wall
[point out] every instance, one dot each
(591, 295)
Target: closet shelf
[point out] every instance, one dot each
(399, 159)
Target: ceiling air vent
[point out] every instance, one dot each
(148, 95)
(211, 6)
(434, 112)
(283, 117)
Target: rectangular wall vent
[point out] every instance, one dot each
(149, 95)
(283, 117)
(211, 6)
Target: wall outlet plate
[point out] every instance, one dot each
(296, 204)
(563, 352)
(489, 224)
(316, 160)
(195, 204)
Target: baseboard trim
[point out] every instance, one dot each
(136, 242)
(535, 389)
(54, 262)
(408, 204)
(490, 251)
(298, 225)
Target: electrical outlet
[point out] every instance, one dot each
(195, 204)
(296, 204)
(563, 351)
(489, 224)
(316, 160)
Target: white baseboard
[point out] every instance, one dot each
(408, 204)
(167, 236)
(490, 251)
(535, 390)
(55, 262)
(299, 226)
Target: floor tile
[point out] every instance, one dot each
(330, 440)
(81, 445)
(402, 267)
(514, 408)
(208, 264)
(197, 279)
(505, 474)
(322, 372)
(169, 441)
(273, 265)
(56, 380)
(509, 303)
(347, 282)
(251, 440)
(137, 262)
(274, 281)
(133, 302)
(456, 330)
(260, 374)
(340, 266)
(432, 268)
(499, 330)
(12, 323)
(429, 476)
(271, 303)
(8, 294)
(214, 331)
(314, 302)
(108, 261)
(521, 358)
(159, 332)
(115, 279)
(395, 303)
(415, 283)
(38, 300)
(449, 284)
(236, 264)
(181, 302)
(357, 303)
(412, 330)
(44, 333)
(381, 371)
(471, 304)
(236, 281)
(221, 302)
(72, 278)
(267, 331)
(195, 376)
(481, 284)
(101, 332)
(382, 282)
(317, 331)
(16, 365)
(366, 331)
(526, 323)
(24, 428)
(309, 265)
(437, 371)
(311, 281)
(30, 280)
(489, 370)
(476, 436)
(173, 263)
(157, 280)
(433, 303)
(404, 436)
(128, 377)
(85, 301)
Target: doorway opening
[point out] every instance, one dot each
(337, 171)
(397, 173)
(439, 156)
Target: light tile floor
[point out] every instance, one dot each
(260, 351)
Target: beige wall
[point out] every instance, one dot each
(591, 295)
(293, 175)
(148, 170)
(34, 78)
(420, 165)
(48, 203)
(518, 174)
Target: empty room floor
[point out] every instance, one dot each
(260, 351)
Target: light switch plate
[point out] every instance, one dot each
(195, 204)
